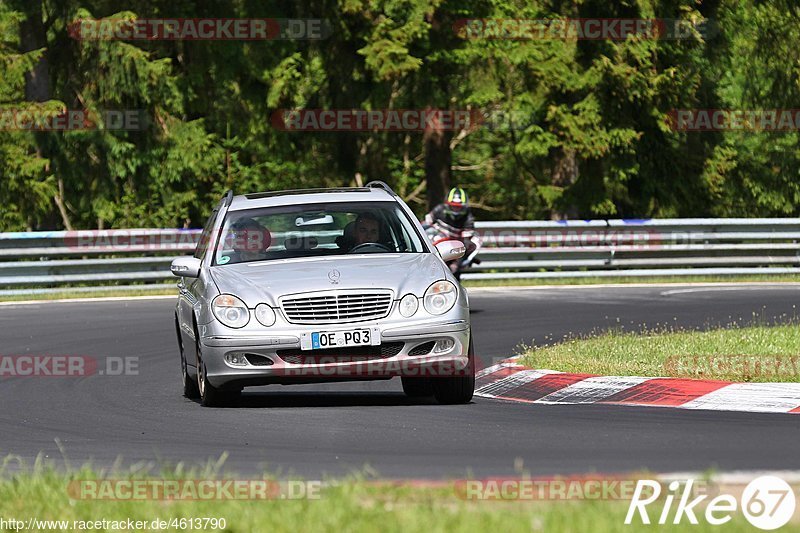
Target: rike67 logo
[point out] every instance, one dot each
(767, 502)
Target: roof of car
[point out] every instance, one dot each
(309, 196)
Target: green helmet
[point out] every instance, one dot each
(457, 200)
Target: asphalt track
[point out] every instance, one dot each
(335, 429)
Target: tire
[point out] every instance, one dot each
(458, 389)
(417, 387)
(190, 389)
(210, 396)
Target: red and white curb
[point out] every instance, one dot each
(509, 380)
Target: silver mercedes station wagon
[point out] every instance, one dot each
(321, 285)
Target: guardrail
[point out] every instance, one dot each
(38, 262)
(638, 248)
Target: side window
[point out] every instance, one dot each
(205, 237)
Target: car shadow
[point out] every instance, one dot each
(329, 399)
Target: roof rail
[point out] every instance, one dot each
(380, 185)
(268, 194)
(228, 197)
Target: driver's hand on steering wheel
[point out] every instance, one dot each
(359, 248)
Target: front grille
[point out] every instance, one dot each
(422, 349)
(355, 354)
(336, 306)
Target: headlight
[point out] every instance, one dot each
(440, 297)
(409, 305)
(230, 310)
(265, 314)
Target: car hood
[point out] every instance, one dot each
(266, 281)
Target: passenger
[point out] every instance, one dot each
(250, 241)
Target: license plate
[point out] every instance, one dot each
(320, 340)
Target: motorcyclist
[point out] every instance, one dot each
(454, 213)
(454, 218)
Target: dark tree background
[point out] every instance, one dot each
(589, 139)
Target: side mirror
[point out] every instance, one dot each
(451, 249)
(186, 267)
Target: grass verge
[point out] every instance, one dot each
(351, 504)
(110, 293)
(755, 354)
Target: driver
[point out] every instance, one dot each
(367, 229)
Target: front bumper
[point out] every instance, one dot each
(402, 352)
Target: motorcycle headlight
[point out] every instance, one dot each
(409, 305)
(265, 314)
(230, 310)
(440, 297)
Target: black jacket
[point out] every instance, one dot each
(461, 221)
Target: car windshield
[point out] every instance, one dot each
(288, 232)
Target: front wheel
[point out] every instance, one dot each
(210, 396)
(189, 385)
(190, 389)
(457, 389)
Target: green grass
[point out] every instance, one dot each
(783, 278)
(756, 353)
(353, 504)
(167, 290)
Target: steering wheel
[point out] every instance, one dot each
(356, 248)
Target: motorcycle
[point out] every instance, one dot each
(438, 232)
